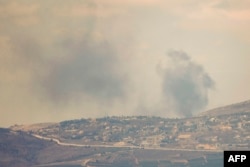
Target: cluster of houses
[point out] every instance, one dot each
(207, 132)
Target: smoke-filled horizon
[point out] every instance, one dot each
(79, 59)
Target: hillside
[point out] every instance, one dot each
(129, 141)
(229, 109)
(19, 149)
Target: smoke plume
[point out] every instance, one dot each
(186, 84)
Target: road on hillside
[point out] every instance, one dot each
(113, 146)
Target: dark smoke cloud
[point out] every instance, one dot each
(186, 84)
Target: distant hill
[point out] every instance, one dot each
(229, 109)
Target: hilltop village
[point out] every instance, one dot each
(198, 133)
(136, 141)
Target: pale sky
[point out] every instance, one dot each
(74, 59)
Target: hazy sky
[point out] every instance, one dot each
(62, 59)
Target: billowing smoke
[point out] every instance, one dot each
(72, 59)
(185, 84)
